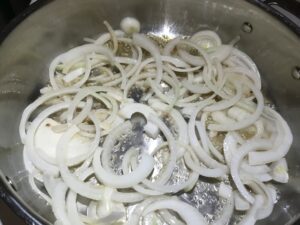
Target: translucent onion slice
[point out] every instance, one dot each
(188, 213)
(165, 176)
(85, 189)
(280, 150)
(59, 203)
(71, 205)
(245, 123)
(144, 42)
(123, 181)
(204, 157)
(250, 217)
(249, 146)
(227, 212)
(38, 102)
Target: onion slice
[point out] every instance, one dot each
(189, 214)
(127, 180)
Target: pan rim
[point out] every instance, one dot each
(6, 193)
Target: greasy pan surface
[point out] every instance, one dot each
(27, 50)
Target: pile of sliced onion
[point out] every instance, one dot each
(198, 99)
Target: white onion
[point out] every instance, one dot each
(170, 218)
(225, 191)
(206, 39)
(130, 25)
(206, 143)
(280, 171)
(227, 212)
(73, 182)
(189, 214)
(250, 217)
(240, 203)
(127, 180)
(33, 106)
(204, 157)
(245, 123)
(58, 203)
(172, 146)
(72, 209)
(236, 160)
(138, 211)
(224, 104)
(260, 188)
(258, 158)
(34, 158)
(112, 36)
(73, 75)
(205, 114)
(144, 42)
(203, 171)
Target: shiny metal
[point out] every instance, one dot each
(9, 181)
(26, 52)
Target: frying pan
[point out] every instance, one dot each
(269, 32)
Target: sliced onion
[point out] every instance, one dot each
(164, 177)
(205, 88)
(112, 36)
(227, 212)
(138, 211)
(249, 146)
(279, 151)
(240, 203)
(101, 40)
(206, 39)
(144, 42)
(130, 25)
(280, 171)
(204, 157)
(82, 94)
(196, 88)
(127, 180)
(245, 123)
(225, 191)
(38, 102)
(260, 188)
(85, 189)
(253, 76)
(189, 214)
(250, 217)
(170, 218)
(58, 203)
(74, 53)
(72, 209)
(35, 159)
(203, 171)
(224, 104)
(206, 143)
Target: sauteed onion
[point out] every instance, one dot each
(197, 100)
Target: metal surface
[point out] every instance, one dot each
(60, 25)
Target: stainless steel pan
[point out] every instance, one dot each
(268, 36)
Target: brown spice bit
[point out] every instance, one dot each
(248, 132)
